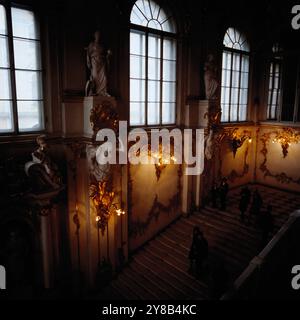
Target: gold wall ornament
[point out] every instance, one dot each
(103, 197)
(161, 157)
(281, 177)
(286, 137)
(237, 138)
(162, 160)
(104, 115)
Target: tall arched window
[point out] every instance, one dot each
(235, 76)
(152, 65)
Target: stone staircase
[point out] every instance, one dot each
(159, 270)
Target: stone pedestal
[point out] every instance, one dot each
(43, 206)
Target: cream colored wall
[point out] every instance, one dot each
(239, 170)
(144, 223)
(278, 171)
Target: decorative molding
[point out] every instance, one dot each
(233, 175)
(104, 115)
(280, 177)
(139, 227)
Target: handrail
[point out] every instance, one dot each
(248, 282)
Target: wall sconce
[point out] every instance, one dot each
(286, 137)
(162, 161)
(237, 139)
(102, 197)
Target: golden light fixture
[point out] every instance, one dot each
(163, 160)
(103, 199)
(286, 137)
(236, 139)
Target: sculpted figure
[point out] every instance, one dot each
(42, 170)
(97, 61)
(211, 78)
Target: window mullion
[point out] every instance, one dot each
(12, 69)
(230, 88)
(146, 81)
(161, 79)
(239, 89)
(272, 86)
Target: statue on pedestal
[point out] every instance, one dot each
(211, 78)
(97, 61)
(42, 171)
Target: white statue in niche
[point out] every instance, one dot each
(97, 61)
(211, 78)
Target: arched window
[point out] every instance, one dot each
(235, 76)
(152, 65)
(21, 97)
(275, 80)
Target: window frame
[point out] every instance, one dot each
(241, 53)
(10, 39)
(162, 35)
(274, 60)
(296, 106)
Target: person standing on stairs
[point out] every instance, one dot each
(256, 205)
(214, 194)
(198, 252)
(223, 191)
(244, 202)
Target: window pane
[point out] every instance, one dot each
(244, 80)
(233, 112)
(153, 91)
(5, 89)
(154, 68)
(137, 67)
(225, 95)
(225, 110)
(24, 24)
(243, 112)
(245, 63)
(169, 49)
(4, 58)
(28, 85)
(30, 115)
(137, 113)
(3, 25)
(137, 43)
(236, 62)
(226, 60)
(226, 78)
(168, 113)
(153, 113)
(137, 90)
(234, 96)
(153, 46)
(235, 79)
(169, 70)
(169, 89)
(27, 54)
(6, 118)
(243, 96)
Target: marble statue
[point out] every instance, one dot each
(97, 61)
(211, 78)
(42, 171)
